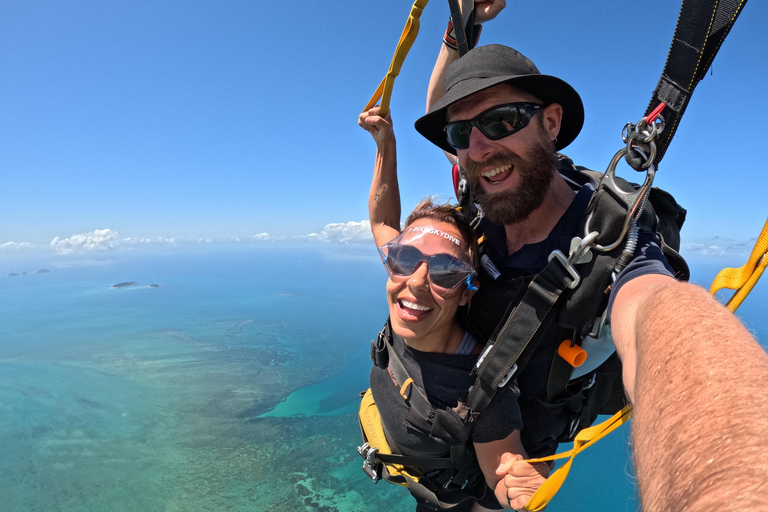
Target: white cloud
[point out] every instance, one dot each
(262, 237)
(349, 233)
(158, 240)
(724, 247)
(98, 240)
(701, 249)
(15, 246)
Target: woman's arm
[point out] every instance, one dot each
(384, 197)
(513, 480)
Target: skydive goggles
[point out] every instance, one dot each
(445, 272)
(495, 123)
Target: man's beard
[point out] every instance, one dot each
(514, 206)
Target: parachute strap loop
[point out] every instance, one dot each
(583, 440)
(743, 279)
(384, 91)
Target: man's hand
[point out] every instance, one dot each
(520, 480)
(486, 10)
(379, 127)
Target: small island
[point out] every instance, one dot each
(124, 284)
(13, 274)
(42, 271)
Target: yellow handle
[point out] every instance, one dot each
(384, 91)
(743, 279)
(581, 442)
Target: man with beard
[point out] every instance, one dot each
(504, 121)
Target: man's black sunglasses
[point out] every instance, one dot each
(495, 123)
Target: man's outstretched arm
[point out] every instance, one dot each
(699, 385)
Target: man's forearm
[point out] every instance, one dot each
(700, 431)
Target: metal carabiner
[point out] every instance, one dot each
(370, 465)
(634, 201)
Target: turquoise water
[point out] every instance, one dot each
(231, 386)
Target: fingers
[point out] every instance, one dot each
(379, 127)
(371, 118)
(506, 462)
(522, 482)
(486, 10)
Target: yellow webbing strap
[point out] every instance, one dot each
(582, 441)
(407, 38)
(373, 434)
(743, 279)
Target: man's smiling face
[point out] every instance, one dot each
(510, 176)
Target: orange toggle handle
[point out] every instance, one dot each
(575, 355)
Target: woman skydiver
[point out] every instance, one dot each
(431, 267)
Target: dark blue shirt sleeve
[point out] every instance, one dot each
(648, 260)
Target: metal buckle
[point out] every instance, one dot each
(579, 254)
(591, 382)
(508, 376)
(599, 325)
(573, 427)
(371, 467)
(566, 264)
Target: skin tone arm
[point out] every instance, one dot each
(514, 481)
(384, 197)
(699, 385)
(485, 10)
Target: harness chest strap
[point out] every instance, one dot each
(514, 337)
(408, 390)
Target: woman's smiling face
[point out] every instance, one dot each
(416, 311)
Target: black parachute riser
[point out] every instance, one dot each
(701, 29)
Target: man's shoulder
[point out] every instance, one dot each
(577, 176)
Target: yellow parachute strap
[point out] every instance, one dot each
(373, 434)
(743, 279)
(407, 38)
(582, 441)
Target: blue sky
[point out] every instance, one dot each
(179, 120)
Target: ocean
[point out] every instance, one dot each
(224, 378)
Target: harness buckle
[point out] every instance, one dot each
(591, 382)
(557, 254)
(371, 467)
(573, 427)
(508, 376)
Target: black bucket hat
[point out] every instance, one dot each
(486, 66)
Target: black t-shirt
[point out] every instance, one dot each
(445, 378)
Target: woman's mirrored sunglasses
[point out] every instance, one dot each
(495, 123)
(445, 272)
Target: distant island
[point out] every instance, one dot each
(131, 283)
(41, 271)
(126, 283)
